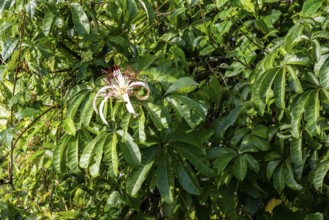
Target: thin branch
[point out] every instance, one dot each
(31, 124)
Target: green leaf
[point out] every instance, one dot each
(165, 178)
(196, 157)
(293, 80)
(278, 179)
(296, 151)
(324, 75)
(114, 155)
(96, 157)
(195, 106)
(58, 155)
(74, 104)
(80, 19)
(314, 216)
(186, 178)
(292, 34)
(252, 162)
(223, 159)
(252, 143)
(27, 112)
(248, 5)
(207, 50)
(87, 110)
(310, 7)
(270, 168)
(130, 9)
(320, 173)
(88, 150)
(224, 122)
(296, 113)
(131, 151)
(4, 5)
(240, 168)
(182, 85)
(148, 9)
(312, 112)
(156, 115)
(279, 89)
(141, 127)
(47, 22)
(8, 46)
(72, 154)
(138, 176)
(68, 125)
(267, 81)
(289, 176)
(297, 59)
(6, 136)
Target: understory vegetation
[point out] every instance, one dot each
(235, 125)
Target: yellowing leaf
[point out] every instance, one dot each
(271, 204)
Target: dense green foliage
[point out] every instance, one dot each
(236, 125)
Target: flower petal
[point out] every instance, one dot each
(129, 106)
(101, 107)
(103, 89)
(141, 84)
(121, 80)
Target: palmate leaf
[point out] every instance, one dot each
(9, 45)
(86, 112)
(47, 22)
(280, 89)
(165, 178)
(228, 200)
(296, 113)
(80, 19)
(148, 9)
(296, 151)
(278, 178)
(74, 104)
(196, 157)
(182, 85)
(72, 154)
(96, 157)
(130, 149)
(223, 123)
(289, 176)
(139, 175)
(186, 177)
(224, 157)
(292, 34)
(88, 150)
(240, 167)
(267, 81)
(324, 75)
(312, 112)
(157, 116)
(293, 79)
(310, 7)
(319, 174)
(58, 155)
(192, 111)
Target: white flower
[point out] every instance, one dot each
(120, 86)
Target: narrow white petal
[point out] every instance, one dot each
(101, 107)
(103, 89)
(141, 84)
(129, 106)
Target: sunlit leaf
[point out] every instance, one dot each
(182, 85)
(8, 47)
(310, 7)
(80, 19)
